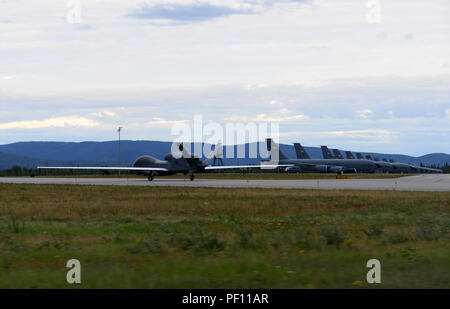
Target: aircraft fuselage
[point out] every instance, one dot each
(361, 166)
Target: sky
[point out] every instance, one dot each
(363, 75)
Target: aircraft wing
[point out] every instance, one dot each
(262, 166)
(112, 168)
(304, 164)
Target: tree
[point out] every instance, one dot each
(16, 170)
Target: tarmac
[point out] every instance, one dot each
(429, 182)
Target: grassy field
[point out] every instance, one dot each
(148, 237)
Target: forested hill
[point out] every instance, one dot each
(31, 154)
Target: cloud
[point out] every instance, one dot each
(57, 122)
(270, 3)
(323, 61)
(409, 36)
(376, 134)
(267, 118)
(203, 11)
(104, 114)
(366, 113)
(82, 27)
(161, 122)
(192, 12)
(373, 136)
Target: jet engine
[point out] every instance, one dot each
(321, 168)
(293, 169)
(335, 169)
(349, 171)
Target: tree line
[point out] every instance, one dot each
(17, 171)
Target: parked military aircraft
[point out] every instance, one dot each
(181, 162)
(398, 167)
(349, 155)
(301, 152)
(409, 168)
(381, 166)
(394, 167)
(337, 154)
(185, 163)
(326, 153)
(428, 170)
(403, 168)
(320, 165)
(384, 167)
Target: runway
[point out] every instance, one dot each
(440, 182)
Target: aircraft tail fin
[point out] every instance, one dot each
(274, 150)
(183, 150)
(349, 155)
(326, 152)
(216, 153)
(301, 152)
(337, 154)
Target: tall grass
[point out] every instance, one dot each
(224, 238)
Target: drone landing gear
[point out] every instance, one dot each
(191, 177)
(150, 178)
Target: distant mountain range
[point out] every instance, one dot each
(32, 154)
(8, 160)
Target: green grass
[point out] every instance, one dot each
(148, 237)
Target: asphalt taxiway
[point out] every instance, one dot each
(435, 182)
